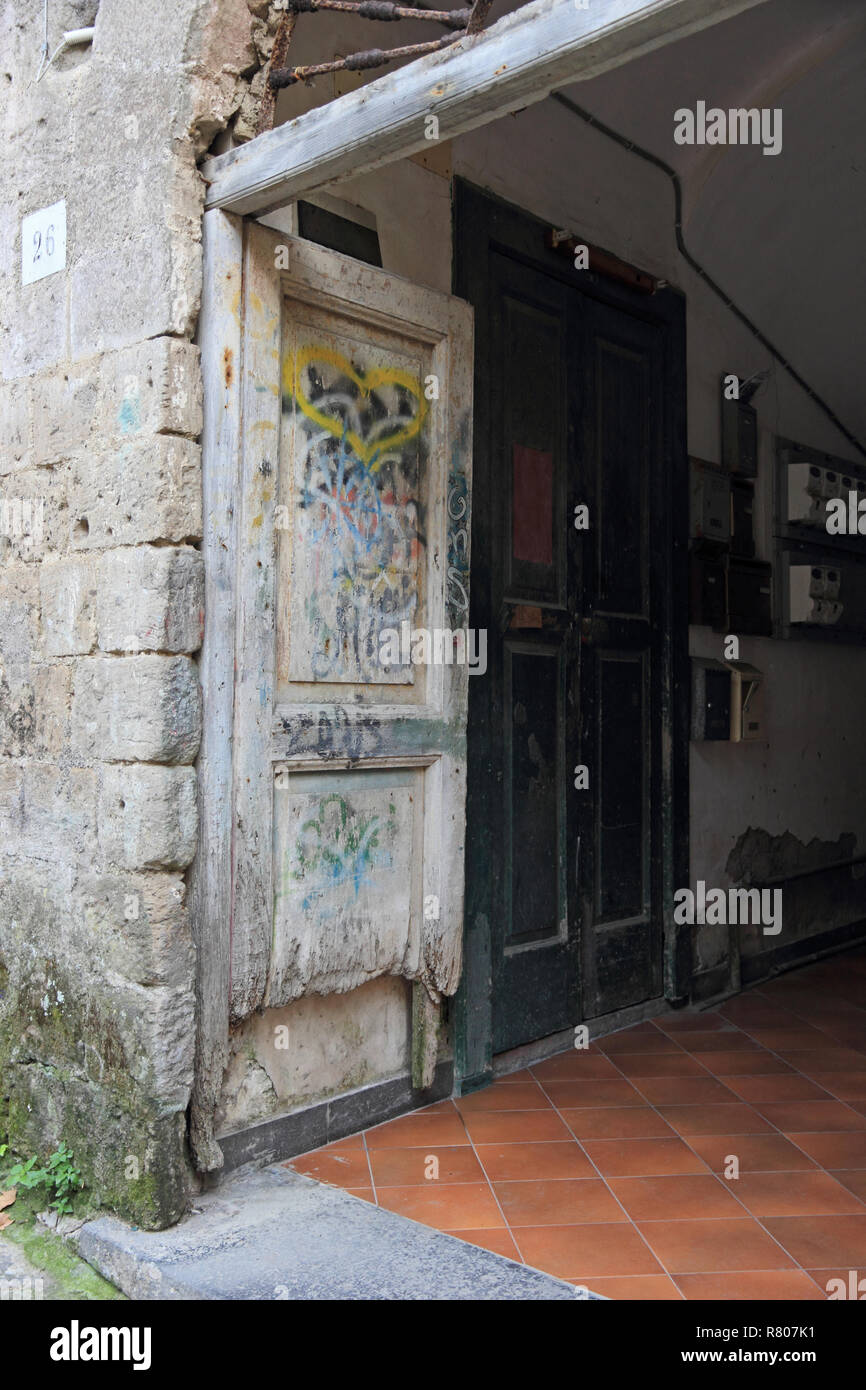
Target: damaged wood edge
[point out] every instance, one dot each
(253, 905)
(426, 1021)
(211, 877)
(519, 60)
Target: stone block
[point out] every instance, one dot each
(148, 816)
(137, 709)
(68, 590)
(151, 599)
(147, 490)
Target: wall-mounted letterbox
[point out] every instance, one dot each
(750, 597)
(742, 518)
(708, 588)
(727, 701)
(747, 703)
(740, 437)
(711, 503)
(711, 700)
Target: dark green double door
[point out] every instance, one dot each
(570, 814)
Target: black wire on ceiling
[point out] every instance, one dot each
(630, 145)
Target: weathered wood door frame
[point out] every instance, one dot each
(522, 237)
(248, 735)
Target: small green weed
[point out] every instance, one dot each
(59, 1177)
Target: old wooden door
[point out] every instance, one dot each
(570, 752)
(348, 776)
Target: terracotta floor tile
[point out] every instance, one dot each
(819, 1116)
(733, 1041)
(513, 1162)
(705, 1247)
(365, 1193)
(758, 1153)
(339, 1146)
(818, 1241)
(500, 1242)
(714, 1119)
(439, 1107)
(577, 1094)
(411, 1167)
(760, 1063)
(802, 1038)
(631, 1041)
(580, 1253)
(826, 1059)
(686, 1196)
(760, 1013)
(844, 1085)
(834, 1150)
(642, 1157)
(455, 1207)
(805, 1193)
(778, 1284)
(637, 1287)
(776, 1088)
(499, 1096)
(854, 1180)
(675, 1023)
(515, 1078)
(558, 1202)
(659, 1064)
(684, 1090)
(345, 1169)
(617, 1122)
(574, 1066)
(412, 1131)
(515, 1126)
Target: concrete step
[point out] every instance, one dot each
(276, 1234)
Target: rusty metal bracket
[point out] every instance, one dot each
(464, 21)
(357, 62)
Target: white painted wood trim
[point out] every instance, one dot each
(518, 61)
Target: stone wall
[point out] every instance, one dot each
(101, 586)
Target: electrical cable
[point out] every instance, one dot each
(630, 145)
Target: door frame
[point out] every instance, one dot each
(483, 222)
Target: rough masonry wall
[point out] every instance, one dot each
(101, 598)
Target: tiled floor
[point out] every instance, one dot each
(612, 1167)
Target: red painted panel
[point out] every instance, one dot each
(532, 510)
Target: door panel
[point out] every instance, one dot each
(577, 402)
(532, 634)
(349, 762)
(620, 470)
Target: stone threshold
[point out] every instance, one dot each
(272, 1234)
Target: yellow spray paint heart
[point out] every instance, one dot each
(366, 382)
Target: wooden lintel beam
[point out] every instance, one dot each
(516, 62)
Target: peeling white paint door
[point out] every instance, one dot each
(348, 777)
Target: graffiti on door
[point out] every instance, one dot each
(358, 537)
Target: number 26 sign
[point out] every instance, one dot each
(43, 243)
